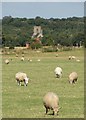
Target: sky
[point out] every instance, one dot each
(43, 9)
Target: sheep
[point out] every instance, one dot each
(58, 72)
(22, 58)
(7, 61)
(21, 77)
(73, 77)
(38, 60)
(51, 101)
(30, 60)
(78, 60)
(73, 57)
(70, 57)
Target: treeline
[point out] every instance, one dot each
(65, 31)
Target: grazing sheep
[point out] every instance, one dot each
(51, 101)
(73, 57)
(73, 77)
(78, 60)
(22, 58)
(38, 60)
(7, 61)
(30, 60)
(58, 72)
(69, 57)
(21, 77)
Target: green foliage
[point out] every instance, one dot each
(67, 32)
(36, 45)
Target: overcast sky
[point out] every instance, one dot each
(43, 9)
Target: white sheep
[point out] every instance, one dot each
(22, 58)
(38, 60)
(51, 101)
(73, 77)
(78, 60)
(30, 60)
(7, 61)
(73, 57)
(70, 57)
(21, 77)
(58, 72)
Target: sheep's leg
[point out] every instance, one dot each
(18, 82)
(73, 81)
(46, 110)
(25, 83)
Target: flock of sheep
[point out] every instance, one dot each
(50, 100)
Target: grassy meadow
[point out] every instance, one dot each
(26, 102)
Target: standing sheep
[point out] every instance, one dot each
(6, 61)
(69, 57)
(21, 77)
(38, 60)
(58, 72)
(73, 57)
(73, 77)
(51, 101)
(22, 58)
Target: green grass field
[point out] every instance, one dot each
(26, 102)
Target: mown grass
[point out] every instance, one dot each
(26, 102)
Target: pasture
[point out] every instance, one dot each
(26, 102)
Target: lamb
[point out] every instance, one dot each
(73, 77)
(58, 72)
(7, 61)
(51, 101)
(21, 77)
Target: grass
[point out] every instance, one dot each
(26, 102)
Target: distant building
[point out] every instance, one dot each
(37, 33)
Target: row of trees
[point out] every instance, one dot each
(66, 32)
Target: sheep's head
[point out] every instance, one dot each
(26, 80)
(55, 111)
(59, 74)
(71, 81)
